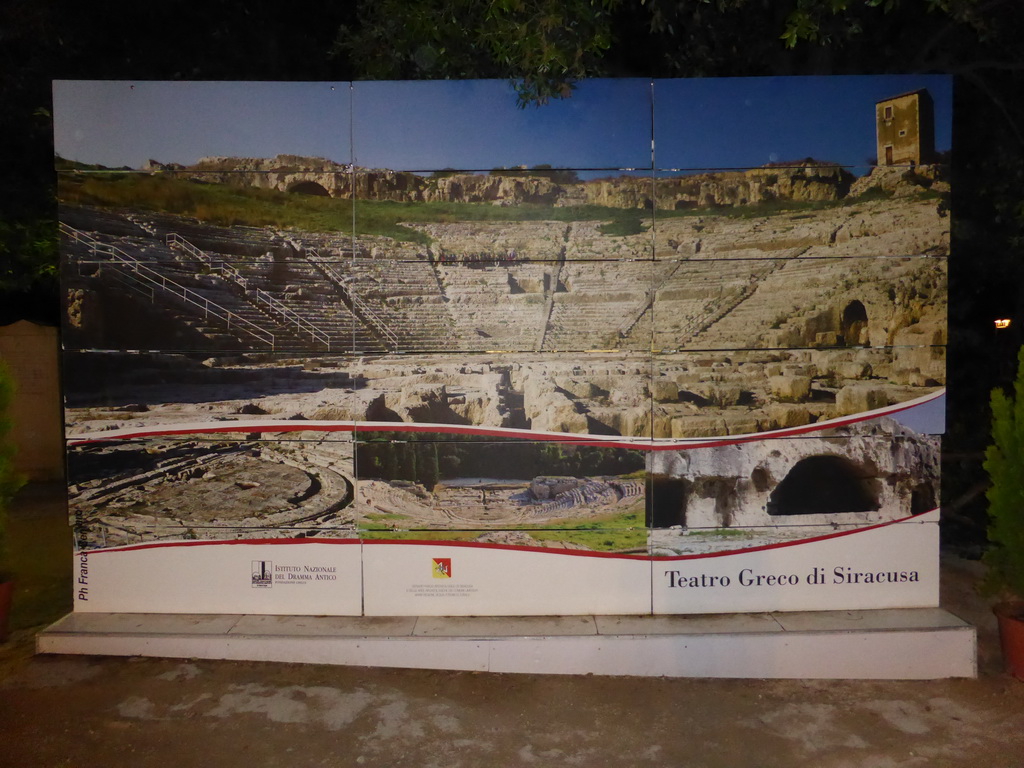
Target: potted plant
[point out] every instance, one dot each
(10, 481)
(1004, 462)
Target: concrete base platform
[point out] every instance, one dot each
(916, 643)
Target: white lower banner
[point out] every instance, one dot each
(282, 577)
(424, 578)
(886, 566)
(895, 565)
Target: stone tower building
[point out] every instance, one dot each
(905, 129)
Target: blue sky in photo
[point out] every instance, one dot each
(478, 125)
(926, 419)
(748, 122)
(116, 123)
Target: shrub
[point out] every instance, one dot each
(1004, 462)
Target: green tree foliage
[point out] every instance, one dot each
(1004, 462)
(429, 469)
(544, 44)
(403, 456)
(831, 21)
(28, 255)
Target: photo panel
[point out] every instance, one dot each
(792, 488)
(108, 125)
(794, 122)
(800, 303)
(512, 494)
(804, 211)
(218, 262)
(504, 216)
(210, 486)
(155, 391)
(829, 522)
(533, 396)
(741, 392)
(485, 357)
(479, 125)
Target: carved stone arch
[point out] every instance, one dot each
(308, 187)
(854, 324)
(824, 485)
(666, 501)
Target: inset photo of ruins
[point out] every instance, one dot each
(209, 486)
(764, 492)
(510, 493)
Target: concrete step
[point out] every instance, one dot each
(911, 643)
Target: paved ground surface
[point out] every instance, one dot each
(92, 711)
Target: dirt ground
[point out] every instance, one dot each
(111, 712)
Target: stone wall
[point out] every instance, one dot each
(806, 181)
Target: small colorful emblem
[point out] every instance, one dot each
(441, 567)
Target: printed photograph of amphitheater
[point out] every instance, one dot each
(482, 343)
(508, 493)
(307, 485)
(686, 395)
(209, 486)
(771, 491)
(402, 320)
(400, 486)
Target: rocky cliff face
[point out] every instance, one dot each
(807, 181)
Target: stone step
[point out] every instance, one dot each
(905, 643)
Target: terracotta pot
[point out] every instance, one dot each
(1011, 635)
(6, 598)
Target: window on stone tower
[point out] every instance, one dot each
(888, 113)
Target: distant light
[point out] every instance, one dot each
(1002, 322)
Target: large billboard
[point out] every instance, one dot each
(405, 347)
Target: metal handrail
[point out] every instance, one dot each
(174, 240)
(364, 310)
(145, 274)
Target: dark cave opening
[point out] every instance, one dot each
(823, 485)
